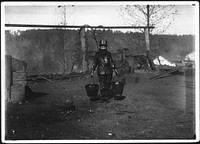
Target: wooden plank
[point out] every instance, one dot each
(165, 74)
(19, 78)
(19, 65)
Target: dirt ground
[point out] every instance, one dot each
(153, 109)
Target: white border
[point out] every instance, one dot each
(103, 3)
(197, 73)
(2, 74)
(99, 3)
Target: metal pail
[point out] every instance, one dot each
(92, 90)
(117, 88)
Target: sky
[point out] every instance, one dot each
(93, 14)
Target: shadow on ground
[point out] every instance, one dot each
(30, 95)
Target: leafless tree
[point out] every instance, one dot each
(160, 16)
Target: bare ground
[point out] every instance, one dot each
(152, 109)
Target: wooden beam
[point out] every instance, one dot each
(75, 26)
(165, 74)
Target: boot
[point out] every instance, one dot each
(102, 95)
(107, 97)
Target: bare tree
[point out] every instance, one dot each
(66, 52)
(64, 13)
(160, 16)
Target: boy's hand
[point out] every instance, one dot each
(92, 73)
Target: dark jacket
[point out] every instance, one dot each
(104, 61)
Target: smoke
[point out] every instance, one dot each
(190, 56)
(163, 61)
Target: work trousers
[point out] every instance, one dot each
(105, 83)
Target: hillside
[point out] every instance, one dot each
(57, 50)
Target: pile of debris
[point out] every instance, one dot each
(141, 63)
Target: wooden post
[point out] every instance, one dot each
(83, 46)
(8, 76)
(132, 64)
(146, 32)
(147, 41)
(149, 57)
(148, 49)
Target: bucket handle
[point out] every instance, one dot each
(119, 78)
(91, 79)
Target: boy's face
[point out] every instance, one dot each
(103, 47)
